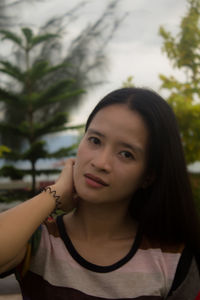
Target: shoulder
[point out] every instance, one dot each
(51, 226)
(38, 246)
(186, 283)
(45, 235)
(179, 265)
(171, 253)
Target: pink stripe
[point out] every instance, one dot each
(57, 248)
(145, 261)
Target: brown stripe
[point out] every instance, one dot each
(52, 227)
(35, 287)
(146, 244)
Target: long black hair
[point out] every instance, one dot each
(165, 209)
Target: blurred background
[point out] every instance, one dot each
(59, 58)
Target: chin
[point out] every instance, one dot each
(89, 197)
(85, 196)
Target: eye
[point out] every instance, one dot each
(94, 140)
(126, 155)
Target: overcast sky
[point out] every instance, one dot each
(134, 51)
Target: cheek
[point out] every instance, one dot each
(80, 157)
(83, 153)
(133, 180)
(77, 175)
(81, 160)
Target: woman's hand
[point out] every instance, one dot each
(64, 186)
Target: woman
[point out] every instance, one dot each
(134, 232)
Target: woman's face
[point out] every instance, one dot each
(111, 159)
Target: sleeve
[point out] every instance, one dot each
(32, 247)
(186, 284)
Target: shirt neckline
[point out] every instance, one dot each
(88, 265)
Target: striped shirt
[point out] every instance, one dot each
(56, 271)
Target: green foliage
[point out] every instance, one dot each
(12, 70)
(184, 96)
(28, 41)
(8, 35)
(14, 195)
(195, 181)
(128, 82)
(182, 50)
(188, 116)
(31, 103)
(3, 150)
(12, 172)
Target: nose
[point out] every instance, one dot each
(103, 161)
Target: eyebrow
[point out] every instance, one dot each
(134, 148)
(93, 131)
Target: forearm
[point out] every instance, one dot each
(18, 224)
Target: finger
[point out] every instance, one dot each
(70, 162)
(58, 164)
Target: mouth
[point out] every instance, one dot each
(95, 179)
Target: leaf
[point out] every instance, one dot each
(3, 150)
(51, 125)
(12, 70)
(8, 97)
(64, 152)
(28, 34)
(54, 93)
(36, 151)
(80, 126)
(42, 38)
(8, 35)
(38, 70)
(12, 172)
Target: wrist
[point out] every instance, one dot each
(52, 191)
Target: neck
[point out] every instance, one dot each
(103, 221)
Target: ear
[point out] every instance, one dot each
(149, 179)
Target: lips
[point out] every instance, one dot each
(96, 179)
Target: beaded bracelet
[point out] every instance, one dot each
(57, 198)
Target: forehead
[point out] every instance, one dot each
(119, 121)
